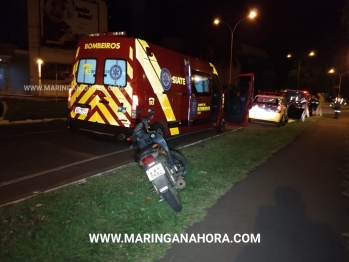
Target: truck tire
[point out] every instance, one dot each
(159, 128)
(221, 125)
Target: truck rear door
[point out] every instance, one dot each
(114, 96)
(200, 104)
(83, 98)
(238, 98)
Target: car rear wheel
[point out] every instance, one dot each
(282, 121)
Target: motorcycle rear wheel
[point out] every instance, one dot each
(172, 199)
(179, 159)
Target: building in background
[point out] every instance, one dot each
(54, 28)
(48, 36)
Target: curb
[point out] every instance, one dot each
(28, 121)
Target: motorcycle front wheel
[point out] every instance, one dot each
(172, 199)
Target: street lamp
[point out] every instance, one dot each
(299, 66)
(332, 71)
(251, 15)
(39, 61)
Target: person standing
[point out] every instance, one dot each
(337, 106)
(306, 108)
(321, 101)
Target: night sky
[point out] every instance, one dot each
(282, 27)
(283, 24)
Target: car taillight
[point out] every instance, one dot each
(278, 109)
(148, 160)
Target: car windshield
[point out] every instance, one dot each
(265, 99)
(294, 96)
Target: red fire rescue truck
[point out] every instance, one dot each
(116, 79)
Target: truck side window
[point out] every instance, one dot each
(201, 84)
(86, 73)
(115, 72)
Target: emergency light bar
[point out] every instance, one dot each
(95, 34)
(108, 34)
(119, 33)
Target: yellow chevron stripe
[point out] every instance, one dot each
(75, 68)
(129, 90)
(107, 115)
(87, 95)
(77, 93)
(94, 116)
(152, 71)
(73, 82)
(102, 107)
(77, 52)
(214, 69)
(129, 70)
(119, 94)
(174, 131)
(131, 53)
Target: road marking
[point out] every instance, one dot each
(197, 142)
(33, 133)
(59, 168)
(77, 182)
(72, 164)
(83, 161)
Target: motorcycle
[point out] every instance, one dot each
(165, 168)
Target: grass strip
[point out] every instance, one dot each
(55, 226)
(30, 109)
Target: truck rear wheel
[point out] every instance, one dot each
(221, 125)
(159, 128)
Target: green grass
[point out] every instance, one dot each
(55, 226)
(29, 109)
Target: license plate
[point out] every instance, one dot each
(81, 110)
(155, 171)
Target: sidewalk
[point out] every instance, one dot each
(294, 201)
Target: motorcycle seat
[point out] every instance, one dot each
(147, 150)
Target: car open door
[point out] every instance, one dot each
(238, 98)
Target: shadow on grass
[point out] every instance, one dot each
(288, 235)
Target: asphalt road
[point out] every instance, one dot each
(36, 157)
(294, 201)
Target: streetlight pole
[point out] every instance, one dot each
(299, 67)
(231, 44)
(252, 15)
(340, 78)
(39, 61)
